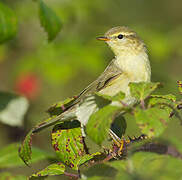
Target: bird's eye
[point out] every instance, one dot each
(120, 36)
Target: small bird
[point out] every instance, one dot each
(130, 64)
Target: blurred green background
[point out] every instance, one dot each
(49, 72)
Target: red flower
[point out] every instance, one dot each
(28, 85)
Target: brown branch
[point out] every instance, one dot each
(160, 149)
(76, 176)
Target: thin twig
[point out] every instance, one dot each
(76, 176)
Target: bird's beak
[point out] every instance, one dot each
(103, 38)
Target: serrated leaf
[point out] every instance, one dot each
(8, 23)
(49, 20)
(142, 90)
(99, 123)
(118, 97)
(25, 151)
(9, 156)
(82, 159)
(69, 145)
(51, 170)
(168, 100)
(152, 121)
(170, 97)
(12, 109)
(60, 107)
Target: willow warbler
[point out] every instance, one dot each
(130, 64)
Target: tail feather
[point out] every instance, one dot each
(66, 116)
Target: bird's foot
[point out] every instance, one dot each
(119, 146)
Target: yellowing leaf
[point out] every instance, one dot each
(51, 170)
(69, 145)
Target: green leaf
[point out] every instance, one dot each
(59, 107)
(156, 166)
(83, 159)
(170, 97)
(141, 165)
(12, 109)
(142, 90)
(118, 97)
(69, 145)
(49, 21)
(100, 172)
(9, 156)
(25, 151)
(180, 86)
(8, 23)
(51, 170)
(122, 168)
(152, 121)
(145, 165)
(99, 123)
(167, 100)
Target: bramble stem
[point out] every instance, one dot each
(76, 176)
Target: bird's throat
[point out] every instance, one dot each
(136, 66)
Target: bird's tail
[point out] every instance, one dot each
(66, 116)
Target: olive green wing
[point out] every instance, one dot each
(111, 72)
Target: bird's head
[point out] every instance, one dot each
(123, 40)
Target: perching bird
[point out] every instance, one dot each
(130, 64)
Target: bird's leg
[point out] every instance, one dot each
(115, 138)
(120, 144)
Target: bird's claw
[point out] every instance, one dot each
(120, 144)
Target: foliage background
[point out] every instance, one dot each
(49, 72)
